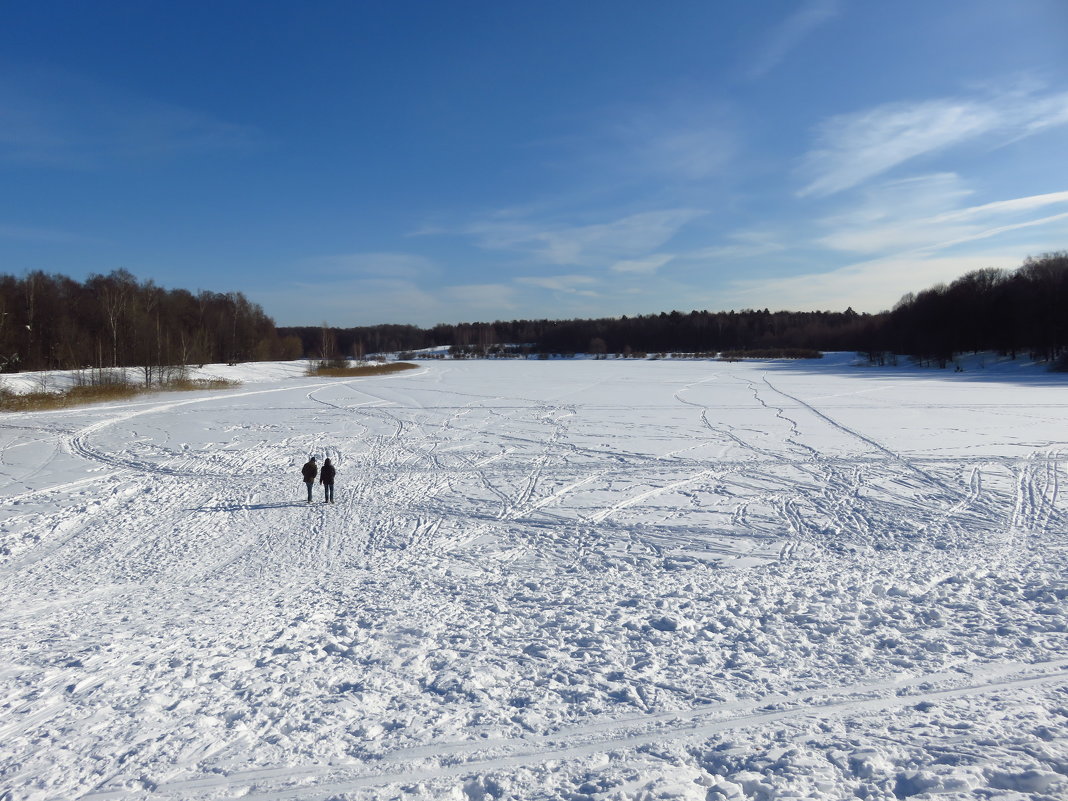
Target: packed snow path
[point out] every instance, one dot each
(584, 580)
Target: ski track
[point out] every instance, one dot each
(532, 582)
(466, 758)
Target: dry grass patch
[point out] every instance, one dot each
(83, 394)
(75, 396)
(363, 370)
(193, 384)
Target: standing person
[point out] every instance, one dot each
(309, 471)
(326, 478)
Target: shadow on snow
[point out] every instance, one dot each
(245, 507)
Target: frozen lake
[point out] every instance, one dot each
(542, 579)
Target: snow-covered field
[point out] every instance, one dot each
(577, 580)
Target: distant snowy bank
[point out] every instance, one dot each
(988, 365)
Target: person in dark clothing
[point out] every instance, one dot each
(326, 478)
(309, 471)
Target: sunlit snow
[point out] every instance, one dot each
(582, 579)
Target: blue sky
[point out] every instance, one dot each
(424, 162)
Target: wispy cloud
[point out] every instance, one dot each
(27, 233)
(393, 265)
(690, 140)
(53, 119)
(481, 300)
(853, 148)
(599, 245)
(350, 302)
(789, 34)
(370, 288)
(869, 286)
(740, 245)
(998, 230)
(647, 266)
(688, 135)
(565, 284)
(910, 235)
(1014, 206)
(926, 214)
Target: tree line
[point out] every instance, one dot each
(51, 322)
(115, 320)
(692, 332)
(1023, 310)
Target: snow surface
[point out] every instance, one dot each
(579, 580)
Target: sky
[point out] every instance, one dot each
(393, 161)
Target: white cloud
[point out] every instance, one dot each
(870, 286)
(892, 215)
(646, 266)
(691, 154)
(989, 233)
(369, 288)
(599, 245)
(28, 233)
(566, 284)
(685, 135)
(1020, 204)
(924, 214)
(394, 265)
(55, 119)
(477, 300)
(1047, 113)
(853, 148)
(741, 245)
(789, 34)
(346, 302)
(912, 234)
(689, 141)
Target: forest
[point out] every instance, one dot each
(115, 320)
(1022, 311)
(691, 332)
(51, 322)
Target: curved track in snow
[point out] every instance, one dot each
(540, 579)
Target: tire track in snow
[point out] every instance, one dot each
(784, 500)
(929, 478)
(608, 511)
(80, 442)
(309, 587)
(427, 538)
(583, 741)
(938, 527)
(1035, 507)
(71, 523)
(522, 500)
(22, 497)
